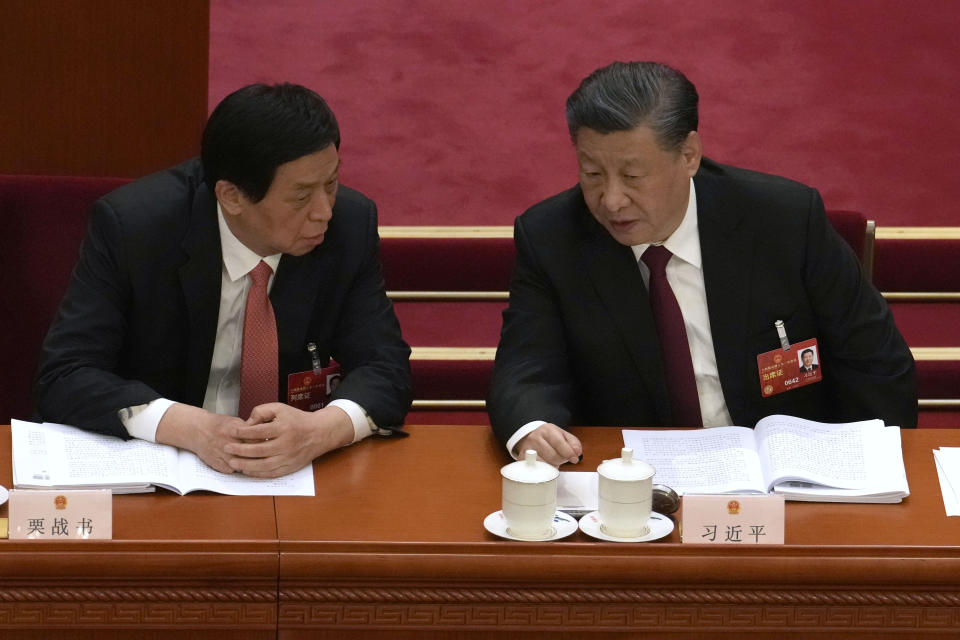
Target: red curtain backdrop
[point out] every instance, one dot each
(452, 110)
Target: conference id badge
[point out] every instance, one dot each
(785, 369)
(311, 390)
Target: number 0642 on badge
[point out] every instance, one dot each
(785, 369)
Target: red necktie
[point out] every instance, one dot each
(258, 360)
(674, 348)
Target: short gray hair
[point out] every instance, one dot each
(625, 95)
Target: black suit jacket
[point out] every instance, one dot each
(579, 343)
(139, 317)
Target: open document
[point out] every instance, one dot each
(801, 459)
(56, 456)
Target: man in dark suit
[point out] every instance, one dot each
(725, 254)
(166, 331)
(806, 361)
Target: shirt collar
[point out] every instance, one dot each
(684, 242)
(238, 259)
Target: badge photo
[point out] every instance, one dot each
(311, 390)
(782, 370)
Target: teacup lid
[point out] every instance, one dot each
(625, 467)
(529, 469)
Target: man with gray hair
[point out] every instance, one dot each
(667, 290)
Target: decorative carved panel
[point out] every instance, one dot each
(614, 609)
(123, 607)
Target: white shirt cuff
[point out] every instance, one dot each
(519, 435)
(142, 420)
(363, 426)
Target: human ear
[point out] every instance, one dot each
(692, 152)
(230, 197)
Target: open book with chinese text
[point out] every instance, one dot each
(801, 459)
(56, 456)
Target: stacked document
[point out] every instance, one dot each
(56, 456)
(947, 460)
(800, 459)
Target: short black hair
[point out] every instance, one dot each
(257, 128)
(625, 95)
(805, 352)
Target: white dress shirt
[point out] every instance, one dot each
(223, 384)
(685, 275)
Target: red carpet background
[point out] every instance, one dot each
(452, 110)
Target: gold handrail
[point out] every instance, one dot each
(449, 404)
(453, 353)
(478, 231)
(921, 296)
(441, 296)
(918, 233)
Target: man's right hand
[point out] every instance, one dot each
(552, 444)
(204, 433)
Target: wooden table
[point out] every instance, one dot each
(393, 546)
(177, 567)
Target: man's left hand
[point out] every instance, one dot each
(279, 439)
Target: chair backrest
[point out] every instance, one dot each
(42, 220)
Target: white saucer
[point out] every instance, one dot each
(660, 525)
(563, 525)
(4, 494)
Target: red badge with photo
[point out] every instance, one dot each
(782, 370)
(311, 390)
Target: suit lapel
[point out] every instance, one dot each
(200, 278)
(301, 286)
(617, 280)
(727, 250)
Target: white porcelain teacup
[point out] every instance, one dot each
(625, 495)
(529, 497)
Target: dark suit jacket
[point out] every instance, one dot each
(579, 344)
(139, 317)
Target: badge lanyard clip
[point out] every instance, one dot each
(314, 358)
(782, 332)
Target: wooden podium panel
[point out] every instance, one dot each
(393, 546)
(204, 565)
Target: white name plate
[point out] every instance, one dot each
(61, 515)
(732, 519)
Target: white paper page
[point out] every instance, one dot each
(715, 460)
(886, 472)
(34, 457)
(951, 499)
(73, 457)
(950, 459)
(846, 456)
(196, 475)
(577, 491)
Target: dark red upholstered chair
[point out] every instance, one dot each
(42, 220)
